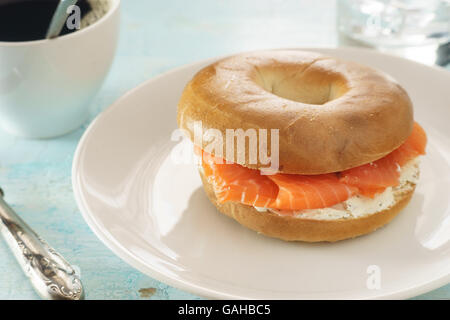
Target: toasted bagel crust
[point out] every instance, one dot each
(290, 228)
(331, 114)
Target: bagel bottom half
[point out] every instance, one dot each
(290, 228)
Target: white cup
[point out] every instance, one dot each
(46, 85)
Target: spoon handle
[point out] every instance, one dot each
(59, 18)
(51, 275)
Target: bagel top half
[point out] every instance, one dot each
(332, 115)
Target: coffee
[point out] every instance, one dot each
(27, 20)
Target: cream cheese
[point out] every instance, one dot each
(410, 172)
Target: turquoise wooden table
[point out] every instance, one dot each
(155, 36)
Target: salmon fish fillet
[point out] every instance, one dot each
(375, 177)
(233, 182)
(298, 192)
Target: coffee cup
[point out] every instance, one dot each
(46, 85)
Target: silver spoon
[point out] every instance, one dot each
(59, 18)
(51, 275)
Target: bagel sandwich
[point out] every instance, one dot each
(346, 151)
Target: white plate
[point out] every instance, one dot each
(154, 214)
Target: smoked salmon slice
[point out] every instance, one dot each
(298, 192)
(233, 182)
(292, 192)
(375, 177)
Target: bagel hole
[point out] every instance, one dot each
(304, 85)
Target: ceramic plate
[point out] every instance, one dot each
(153, 213)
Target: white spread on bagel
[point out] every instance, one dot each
(358, 206)
(260, 209)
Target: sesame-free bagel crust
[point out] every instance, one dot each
(331, 114)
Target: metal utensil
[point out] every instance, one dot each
(59, 18)
(51, 275)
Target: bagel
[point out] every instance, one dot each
(346, 152)
(331, 114)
